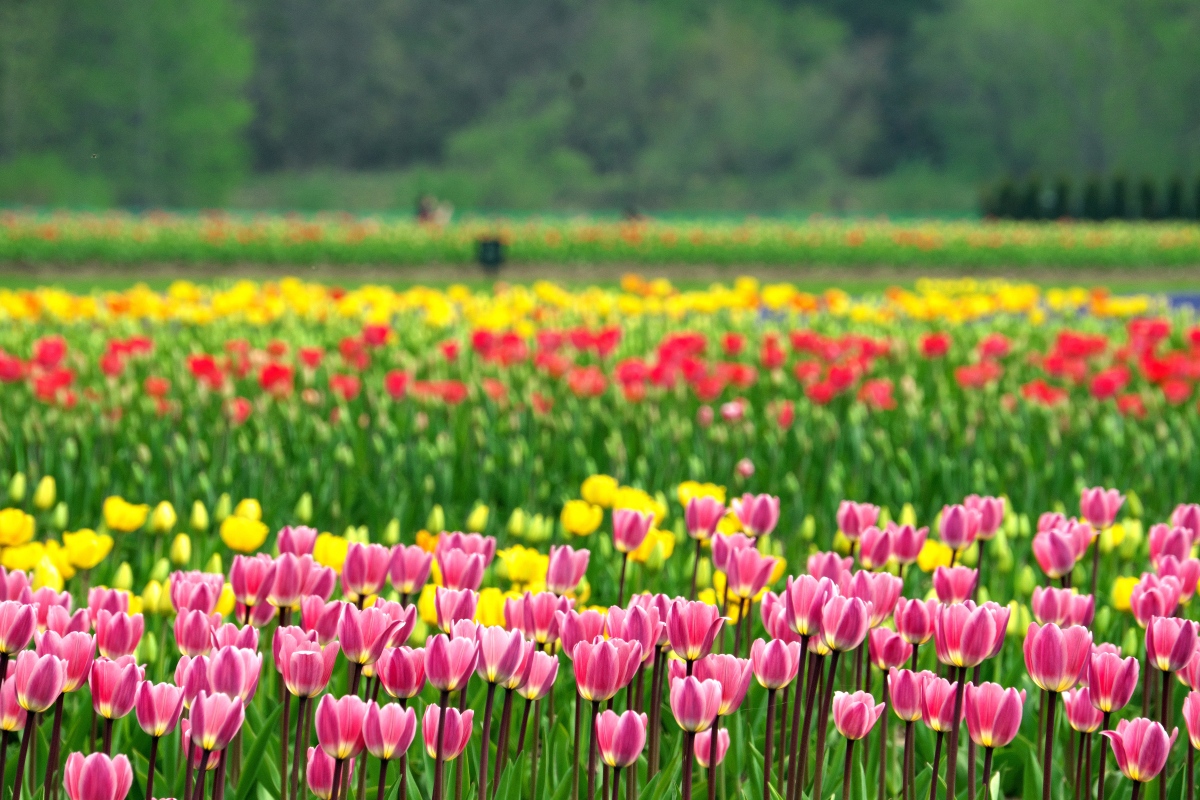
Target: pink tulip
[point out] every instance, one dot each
(408, 568)
(1190, 674)
(829, 565)
(775, 663)
(1170, 643)
(1062, 606)
(621, 738)
(1055, 552)
(691, 628)
(907, 542)
(158, 706)
(702, 516)
(1082, 715)
(906, 690)
(875, 548)
(574, 627)
(536, 615)
(97, 777)
(235, 671)
(230, 635)
(339, 725)
(308, 667)
(659, 602)
(855, 714)
(191, 675)
(364, 570)
(214, 720)
(695, 703)
(502, 654)
(954, 584)
(1191, 717)
(725, 546)
(460, 570)
(747, 572)
(401, 671)
(991, 513)
(803, 601)
(759, 514)
(774, 617)
(76, 649)
(12, 716)
(45, 599)
(879, 590)
(388, 731)
(118, 634)
(854, 518)
(1111, 680)
(630, 528)
(99, 597)
(993, 713)
(196, 591)
(39, 680)
(1055, 657)
(364, 634)
(286, 638)
(1100, 506)
(731, 672)
(319, 770)
(297, 540)
(937, 703)
(959, 526)
(965, 635)
(1168, 540)
(887, 649)
(249, 574)
(1187, 572)
(1154, 597)
(539, 676)
(1141, 747)
(1048, 520)
(457, 733)
(291, 574)
(844, 622)
(321, 617)
(567, 568)
(452, 605)
(605, 666)
(914, 619)
(62, 622)
(114, 687)
(637, 624)
(450, 662)
(193, 632)
(1187, 516)
(475, 543)
(703, 746)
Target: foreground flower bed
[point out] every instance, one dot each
(157, 237)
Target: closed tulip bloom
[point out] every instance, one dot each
(308, 667)
(248, 575)
(114, 687)
(1111, 680)
(774, 618)
(401, 671)
(196, 591)
(887, 649)
(287, 583)
(855, 713)
(630, 528)
(692, 627)
(452, 605)
(695, 703)
(879, 590)
(449, 662)
(731, 672)
(758, 513)
(907, 542)
(1187, 572)
(408, 568)
(99, 597)
(12, 716)
(193, 632)
(829, 565)
(1191, 717)
(965, 635)
(286, 639)
(45, 599)
(118, 634)
(993, 713)
(1100, 506)
(566, 569)
(575, 627)
(1190, 674)
(339, 725)
(363, 634)
(937, 703)
(1170, 643)
(460, 570)
(1187, 515)
(214, 720)
(1169, 540)
(539, 616)
(318, 772)
(803, 600)
(364, 570)
(321, 617)
(388, 731)
(456, 737)
(875, 548)
(1082, 715)
(702, 516)
(747, 572)
(77, 649)
(62, 622)
(191, 675)
(637, 624)
(954, 584)
(703, 746)
(775, 663)
(502, 653)
(621, 737)
(296, 540)
(235, 671)
(959, 526)
(158, 706)
(604, 667)
(1154, 597)
(914, 619)
(844, 622)
(906, 689)
(1141, 747)
(97, 777)
(725, 546)
(539, 676)
(469, 543)
(1055, 657)
(854, 518)
(991, 513)
(39, 680)
(1062, 606)
(230, 635)
(1055, 552)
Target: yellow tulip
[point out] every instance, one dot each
(427, 541)
(199, 520)
(163, 518)
(490, 608)
(1122, 591)
(581, 517)
(23, 557)
(181, 549)
(599, 490)
(426, 606)
(663, 541)
(123, 579)
(248, 509)
(729, 524)
(330, 551)
(86, 548)
(152, 597)
(226, 602)
(437, 519)
(689, 489)
(477, 520)
(46, 574)
(121, 515)
(522, 565)
(45, 494)
(933, 555)
(16, 527)
(59, 558)
(243, 534)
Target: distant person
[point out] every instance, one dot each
(431, 212)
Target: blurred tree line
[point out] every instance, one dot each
(640, 104)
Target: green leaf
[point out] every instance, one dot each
(656, 788)
(254, 760)
(510, 780)
(921, 782)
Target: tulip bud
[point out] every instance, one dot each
(1019, 618)
(516, 523)
(147, 649)
(1132, 641)
(45, 493)
(656, 559)
(161, 570)
(437, 520)
(1026, 581)
(808, 529)
(704, 574)
(1133, 538)
(477, 520)
(353, 534)
(248, 508)
(970, 556)
(45, 574)
(16, 488)
(224, 507)
(214, 565)
(199, 520)
(304, 509)
(60, 518)
(151, 597)
(124, 577)
(1023, 526)
(181, 549)
(982, 595)
(1000, 554)
(540, 529)
(163, 518)
(908, 515)
(1102, 619)
(391, 532)
(885, 516)
(1134, 504)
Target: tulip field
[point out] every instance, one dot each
(285, 540)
